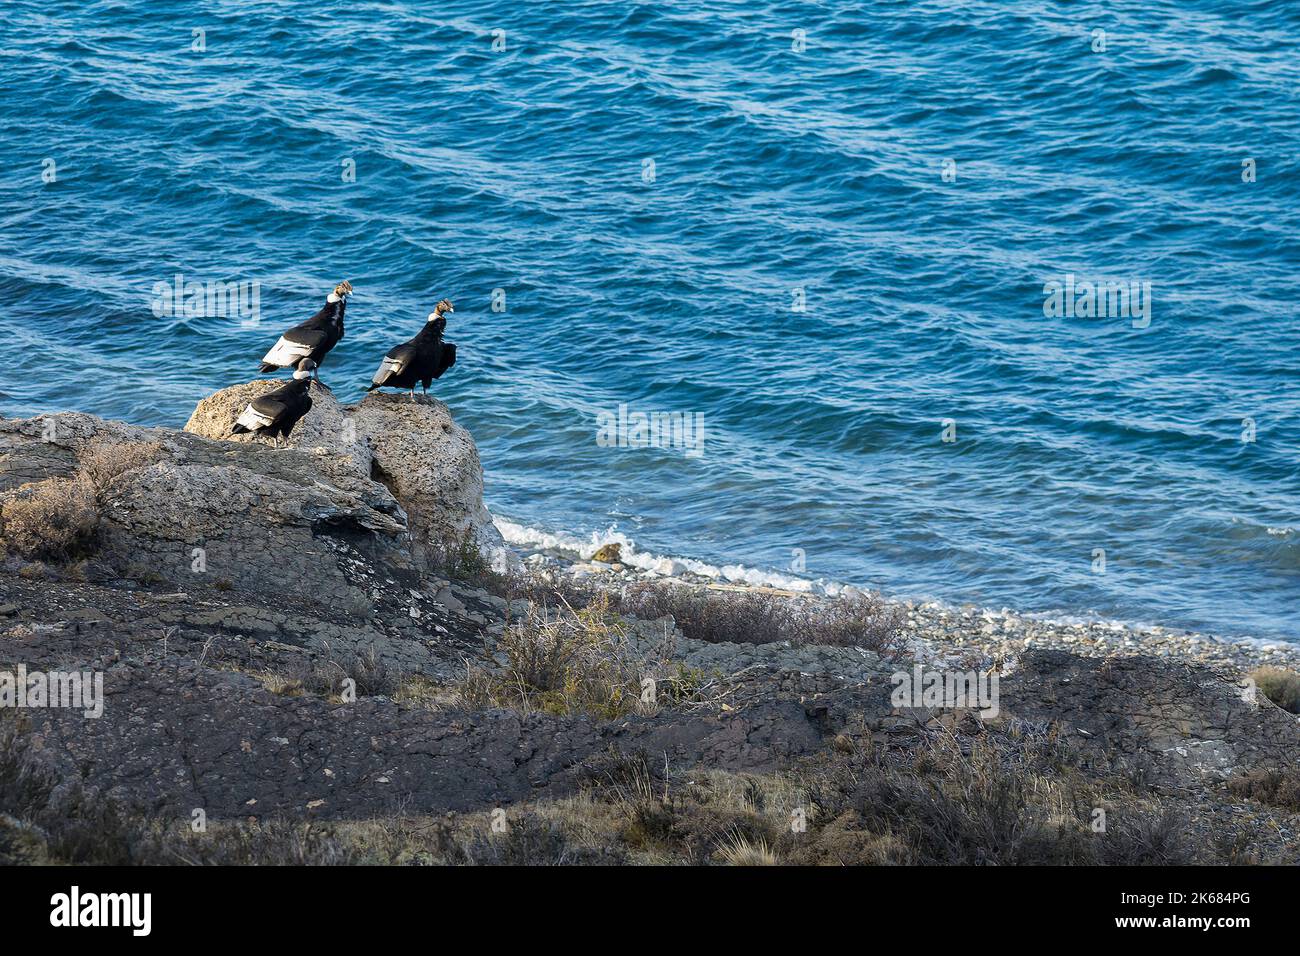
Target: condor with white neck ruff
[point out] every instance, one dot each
(314, 338)
(420, 360)
(275, 413)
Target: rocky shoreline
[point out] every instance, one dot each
(335, 634)
(940, 632)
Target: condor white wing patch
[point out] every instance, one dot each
(252, 419)
(388, 367)
(286, 353)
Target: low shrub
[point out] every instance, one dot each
(52, 520)
(273, 842)
(58, 519)
(1276, 788)
(462, 560)
(1279, 685)
(558, 661)
(528, 841)
(717, 616)
(992, 800)
(75, 827)
(758, 617)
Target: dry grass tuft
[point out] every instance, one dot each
(52, 520)
(419, 691)
(58, 519)
(327, 677)
(757, 617)
(1279, 685)
(559, 661)
(738, 850)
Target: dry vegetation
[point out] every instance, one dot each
(738, 617)
(1275, 788)
(52, 520)
(757, 617)
(998, 798)
(556, 660)
(325, 675)
(745, 616)
(559, 660)
(58, 519)
(1279, 685)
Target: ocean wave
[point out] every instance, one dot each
(522, 535)
(525, 537)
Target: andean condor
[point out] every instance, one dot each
(420, 360)
(314, 338)
(275, 413)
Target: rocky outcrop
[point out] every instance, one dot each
(362, 495)
(414, 448)
(327, 427)
(431, 465)
(1171, 721)
(206, 514)
(261, 753)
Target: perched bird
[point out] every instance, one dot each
(422, 359)
(275, 413)
(314, 338)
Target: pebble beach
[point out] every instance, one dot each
(936, 631)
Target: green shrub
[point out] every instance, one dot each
(461, 559)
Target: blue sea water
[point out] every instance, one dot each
(787, 166)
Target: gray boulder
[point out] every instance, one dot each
(431, 465)
(414, 448)
(240, 516)
(362, 497)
